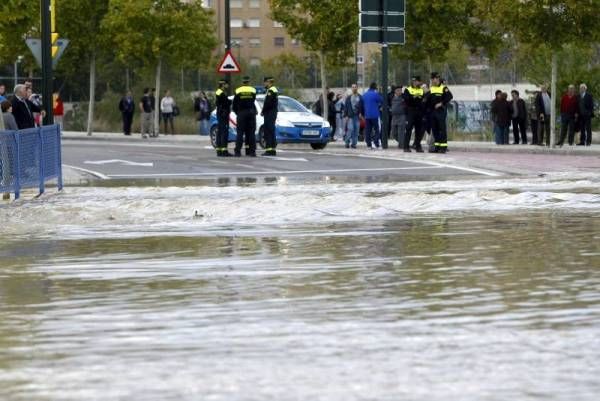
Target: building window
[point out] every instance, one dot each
(295, 42)
(254, 42)
(279, 41)
(237, 42)
(236, 23)
(254, 3)
(359, 59)
(235, 3)
(253, 23)
(277, 24)
(255, 62)
(207, 3)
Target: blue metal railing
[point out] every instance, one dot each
(29, 158)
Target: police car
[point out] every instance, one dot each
(295, 124)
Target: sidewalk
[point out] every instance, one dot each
(454, 146)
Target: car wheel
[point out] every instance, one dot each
(213, 135)
(318, 146)
(261, 138)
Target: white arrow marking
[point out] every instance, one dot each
(118, 161)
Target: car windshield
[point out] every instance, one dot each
(287, 104)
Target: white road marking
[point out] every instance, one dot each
(286, 159)
(275, 172)
(119, 161)
(84, 170)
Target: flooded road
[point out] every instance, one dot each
(466, 291)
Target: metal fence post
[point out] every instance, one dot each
(17, 165)
(41, 159)
(59, 158)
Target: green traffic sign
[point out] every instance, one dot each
(375, 36)
(397, 6)
(375, 21)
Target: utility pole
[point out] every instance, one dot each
(385, 119)
(228, 39)
(46, 61)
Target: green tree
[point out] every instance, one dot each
(19, 19)
(327, 27)
(551, 24)
(288, 68)
(80, 21)
(154, 32)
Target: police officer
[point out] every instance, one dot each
(269, 111)
(413, 96)
(437, 104)
(245, 109)
(223, 110)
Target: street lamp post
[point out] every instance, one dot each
(228, 38)
(17, 62)
(46, 61)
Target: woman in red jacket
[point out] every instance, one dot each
(568, 110)
(58, 109)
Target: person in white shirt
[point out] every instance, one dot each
(167, 106)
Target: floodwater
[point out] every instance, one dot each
(483, 290)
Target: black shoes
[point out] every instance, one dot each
(419, 149)
(237, 153)
(250, 153)
(224, 153)
(269, 153)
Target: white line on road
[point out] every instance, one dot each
(119, 161)
(287, 159)
(274, 172)
(84, 170)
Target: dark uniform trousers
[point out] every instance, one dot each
(246, 127)
(438, 126)
(127, 121)
(414, 119)
(269, 131)
(222, 132)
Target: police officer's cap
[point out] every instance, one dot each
(268, 79)
(435, 75)
(245, 79)
(416, 78)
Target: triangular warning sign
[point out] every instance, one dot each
(229, 65)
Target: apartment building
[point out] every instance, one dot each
(254, 36)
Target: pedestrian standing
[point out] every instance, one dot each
(519, 118)
(202, 107)
(58, 109)
(437, 104)
(146, 121)
(398, 112)
(568, 113)
(23, 108)
(413, 96)
(8, 119)
(155, 130)
(245, 109)
(167, 105)
(339, 115)
(2, 93)
(373, 102)
(127, 109)
(223, 111)
(533, 118)
(585, 103)
(331, 116)
(269, 112)
(353, 112)
(543, 105)
(501, 117)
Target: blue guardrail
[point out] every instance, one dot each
(29, 158)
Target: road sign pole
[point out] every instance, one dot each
(228, 39)
(46, 61)
(384, 78)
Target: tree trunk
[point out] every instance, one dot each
(157, 96)
(553, 94)
(90, 121)
(323, 85)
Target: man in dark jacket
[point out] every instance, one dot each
(585, 103)
(501, 112)
(519, 118)
(543, 103)
(127, 109)
(23, 109)
(353, 109)
(269, 112)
